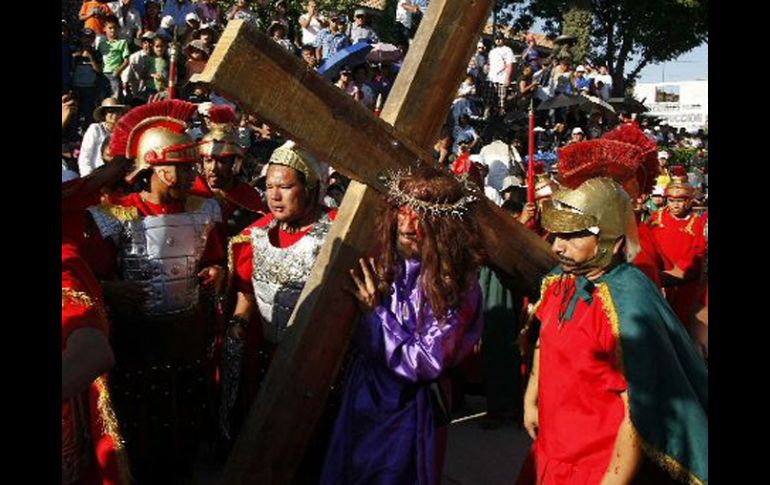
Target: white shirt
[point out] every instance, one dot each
(499, 57)
(607, 88)
(497, 157)
(493, 195)
(90, 156)
(132, 23)
(403, 16)
(137, 75)
(309, 33)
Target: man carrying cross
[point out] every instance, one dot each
(423, 315)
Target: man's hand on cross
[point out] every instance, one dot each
(366, 291)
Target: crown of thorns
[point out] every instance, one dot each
(458, 209)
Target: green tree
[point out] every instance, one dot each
(578, 22)
(622, 31)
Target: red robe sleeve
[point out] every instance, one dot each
(690, 261)
(242, 261)
(648, 260)
(81, 294)
(215, 251)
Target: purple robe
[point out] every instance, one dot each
(385, 433)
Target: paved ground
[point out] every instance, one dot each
(475, 456)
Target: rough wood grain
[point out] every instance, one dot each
(335, 128)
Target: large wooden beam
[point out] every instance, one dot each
(252, 69)
(330, 124)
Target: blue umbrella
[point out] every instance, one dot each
(349, 56)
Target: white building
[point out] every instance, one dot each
(682, 104)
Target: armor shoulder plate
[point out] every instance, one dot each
(243, 237)
(109, 218)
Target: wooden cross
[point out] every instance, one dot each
(260, 75)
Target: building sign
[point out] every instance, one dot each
(682, 104)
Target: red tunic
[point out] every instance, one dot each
(681, 243)
(242, 196)
(580, 381)
(82, 308)
(648, 260)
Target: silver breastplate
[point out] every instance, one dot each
(164, 252)
(279, 275)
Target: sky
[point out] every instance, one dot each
(690, 66)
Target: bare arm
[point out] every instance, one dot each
(305, 22)
(244, 308)
(627, 455)
(87, 356)
(531, 419)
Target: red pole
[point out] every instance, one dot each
(531, 165)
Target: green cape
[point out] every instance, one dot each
(667, 378)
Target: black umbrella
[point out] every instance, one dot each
(629, 105)
(560, 101)
(586, 103)
(565, 39)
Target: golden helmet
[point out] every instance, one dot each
(600, 206)
(679, 187)
(545, 186)
(290, 155)
(221, 140)
(154, 134)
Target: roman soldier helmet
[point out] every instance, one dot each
(622, 162)
(600, 206)
(290, 155)
(594, 174)
(680, 184)
(221, 140)
(154, 134)
(647, 167)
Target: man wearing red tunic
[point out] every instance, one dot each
(91, 444)
(678, 234)
(164, 248)
(221, 159)
(615, 373)
(270, 262)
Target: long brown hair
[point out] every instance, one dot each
(451, 249)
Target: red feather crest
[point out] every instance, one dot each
(585, 160)
(677, 171)
(222, 113)
(649, 168)
(172, 114)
